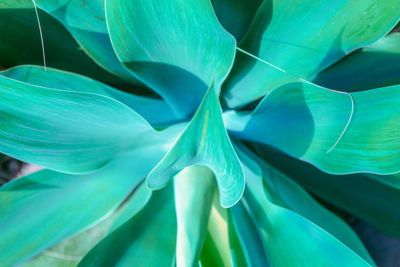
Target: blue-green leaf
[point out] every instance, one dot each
(376, 65)
(204, 142)
(194, 192)
(360, 194)
(303, 38)
(66, 131)
(175, 53)
(40, 210)
(70, 251)
(282, 191)
(148, 239)
(23, 43)
(218, 250)
(236, 16)
(283, 231)
(155, 111)
(86, 21)
(337, 132)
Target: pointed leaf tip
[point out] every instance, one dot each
(204, 142)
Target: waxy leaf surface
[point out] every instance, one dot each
(175, 53)
(204, 142)
(303, 38)
(336, 132)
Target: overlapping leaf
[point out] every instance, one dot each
(282, 191)
(204, 142)
(65, 130)
(194, 192)
(70, 251)
(148, 239)
(373, 66)
(326, 128)
(23, 45)
(363, 195)
(221, 247)
(236, 16)
(175, 53)
(87, 23)
(282, 231)
(303, 38)
(43, 208)
(155, 111)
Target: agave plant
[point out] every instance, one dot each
(191, 132)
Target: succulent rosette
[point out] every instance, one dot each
(192, 132)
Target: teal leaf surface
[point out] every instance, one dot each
(59, 205)
(23, 43)
(364, 195)
(204, 142)
(194, 188)
(85, 20)
(282, 231)
(155, 111)
(373, 66)
(71, 250)
(147, 239)
(303, 38)
(286, 193)
(236, 16)
(334, 131)
(175, 53)
(66, 131)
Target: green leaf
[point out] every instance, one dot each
(283, 192)
(194, 192)
(220, 247)
(40, 210)
(23, 45)
(148, 239)
(175, 53)
(283, 231)
(70, 251)
(66, 131)
(204, 142)
(303, 38)
(155, 111)
(86, 21)
(236, 16)
(376, 65)
(334, 131)
(248, 235)
(372, 201)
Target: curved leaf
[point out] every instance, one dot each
(194, 192)
(155, 111)
(70, 251)
(148, 239)
(376, 65)
(283, 192)
(283, 231)
(248, 236)
(173, 52)
(221, 247)
(236, 16)
(366, 198)
(204, 142)
(66, 131)
(85, 20)
(322, 127)
(59, 205)
(23, 45)
(303, 38)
